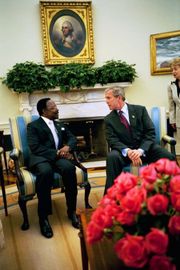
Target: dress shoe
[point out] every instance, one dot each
(45, 227)
(74, 219)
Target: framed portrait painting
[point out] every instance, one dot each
(164, 48)
(67, 32)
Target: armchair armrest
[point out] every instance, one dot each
(14, 154)
(171, 141)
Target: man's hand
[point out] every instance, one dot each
(135, 157)
(173, 126)
(63, 152)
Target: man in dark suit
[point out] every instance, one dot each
(130, 135)
(50, 143)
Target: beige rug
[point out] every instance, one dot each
(96, 179)
(29, 250)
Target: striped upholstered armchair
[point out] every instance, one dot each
(159, 119)
(25, 179)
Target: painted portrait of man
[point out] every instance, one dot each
(68, 34)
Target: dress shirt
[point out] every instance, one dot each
(52, 127)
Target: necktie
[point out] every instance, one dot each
(123, 120)
(54, 133)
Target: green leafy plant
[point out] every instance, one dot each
(73, 75)
(28, 77)
(115, 71)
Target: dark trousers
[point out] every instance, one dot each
(115, 162)
(44, 173)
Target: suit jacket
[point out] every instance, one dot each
(41, 142)
(174, 105)
(142, 133)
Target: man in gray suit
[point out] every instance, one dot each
(50, 143)
(130, 135)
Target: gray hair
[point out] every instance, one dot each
(116, 91)
(69, 25)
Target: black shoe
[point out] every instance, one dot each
(74, 219)
(45, 227)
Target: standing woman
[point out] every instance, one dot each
(174, 97)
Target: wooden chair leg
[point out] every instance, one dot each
(5, 161)
(22, 205)
(3, 188)
(86, 196)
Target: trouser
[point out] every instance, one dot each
(115, 162)
(44, 173)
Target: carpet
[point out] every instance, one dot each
(29, 250)
(96, 179)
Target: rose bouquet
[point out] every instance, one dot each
(142, 216)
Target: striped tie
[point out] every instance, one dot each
(123, 120)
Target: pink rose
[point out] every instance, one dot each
(175, 184)
(167, 166)
(114, 194)
(125, 181)
(175, 200)
(126, 218)
(132, 201)
(110, 212)
(101, 218)
(161, 263)
(131, 251)
(156, 241)
(93, 233)
(157, 204)
(174, 225)
(149, 173)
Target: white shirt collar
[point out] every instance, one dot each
(46, 120)
(124, 109)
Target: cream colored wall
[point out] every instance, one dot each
(122, 29)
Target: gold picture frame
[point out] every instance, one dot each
(67, 32)
(164, 48)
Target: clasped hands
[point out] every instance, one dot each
(64, 152)
(135, 156)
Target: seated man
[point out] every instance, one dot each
(130, 134)
(49, 143)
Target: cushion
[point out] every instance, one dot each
(27, 188)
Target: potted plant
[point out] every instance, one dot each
(73, 75)
(28, 77)
(115, 71)
(140, 216)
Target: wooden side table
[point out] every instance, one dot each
(99, 256)
(2, 182)
(2, 241)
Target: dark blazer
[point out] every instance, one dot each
(142, 133)
(41, 142)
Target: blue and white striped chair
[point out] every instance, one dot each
(25, 179)
(159, 119)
